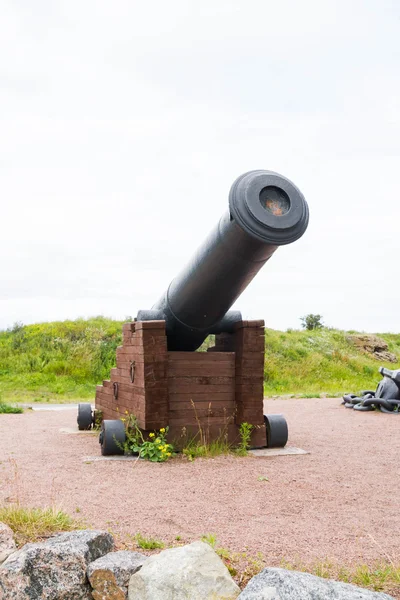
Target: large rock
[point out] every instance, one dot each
(372, 344)
(7, 544)
(109, 575)
(54, 569)
(192, 572)
(280, 584)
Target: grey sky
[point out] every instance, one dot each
(124, 123)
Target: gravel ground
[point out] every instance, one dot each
(340, 502)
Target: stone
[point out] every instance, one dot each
(7, 543)
(109, 575)
(54, 569)
(192, 572)
(280, 584)
(372, 344)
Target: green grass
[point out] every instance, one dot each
(58, 361)
(8, 409)
(382, 576)
(63, 361)
(319, 362)
(148, 543)
(31, 524)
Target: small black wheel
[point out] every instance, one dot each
(85, 418)
(112, 437)
(277, 431)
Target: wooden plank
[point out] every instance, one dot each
(187, 369)
(140, 325)
(202, 413)
(209, 421)
(204, 396)
(197, 385)
(187, 405)
(200, 356)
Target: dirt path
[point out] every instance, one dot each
(339, 502)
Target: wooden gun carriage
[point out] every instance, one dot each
(161, 377)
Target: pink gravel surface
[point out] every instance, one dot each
(339, 502)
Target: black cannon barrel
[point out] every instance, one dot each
(266, 210)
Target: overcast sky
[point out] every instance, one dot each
(123, 125)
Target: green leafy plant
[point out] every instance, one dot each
(155, 449)
(245, 430)
(8, 409)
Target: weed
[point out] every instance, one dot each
(8, 409)
(245, 430)
(202, 445)
(148, 543)
(155, 449)
(30, 524)
(382, 576)
(210, 539)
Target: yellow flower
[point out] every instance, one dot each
(126, 412)
(151, 434)
(162, 430)
(161, 448)
(168, 453)
(157, 440)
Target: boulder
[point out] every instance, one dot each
(55, 568)
(109, 575)
(280, 584)
(372, 344)
(7, 544)
(193, 572)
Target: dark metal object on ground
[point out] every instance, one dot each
(112, 437)
(386, 398)
(85, 417)
(277, 431)
(266, 210)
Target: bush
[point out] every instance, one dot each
(312, 321)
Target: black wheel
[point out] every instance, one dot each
(85, 418)
(112, 437)
(277, 431)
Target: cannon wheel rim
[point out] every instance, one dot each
(85, 418)
(277, 431)
(112, 437)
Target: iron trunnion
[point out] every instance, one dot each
(170, 379)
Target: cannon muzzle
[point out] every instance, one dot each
(266, 210)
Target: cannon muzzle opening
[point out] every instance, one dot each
(266, 210)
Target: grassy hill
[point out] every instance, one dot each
(65, 360)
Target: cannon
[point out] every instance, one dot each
(160, 376)
(385, 398)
